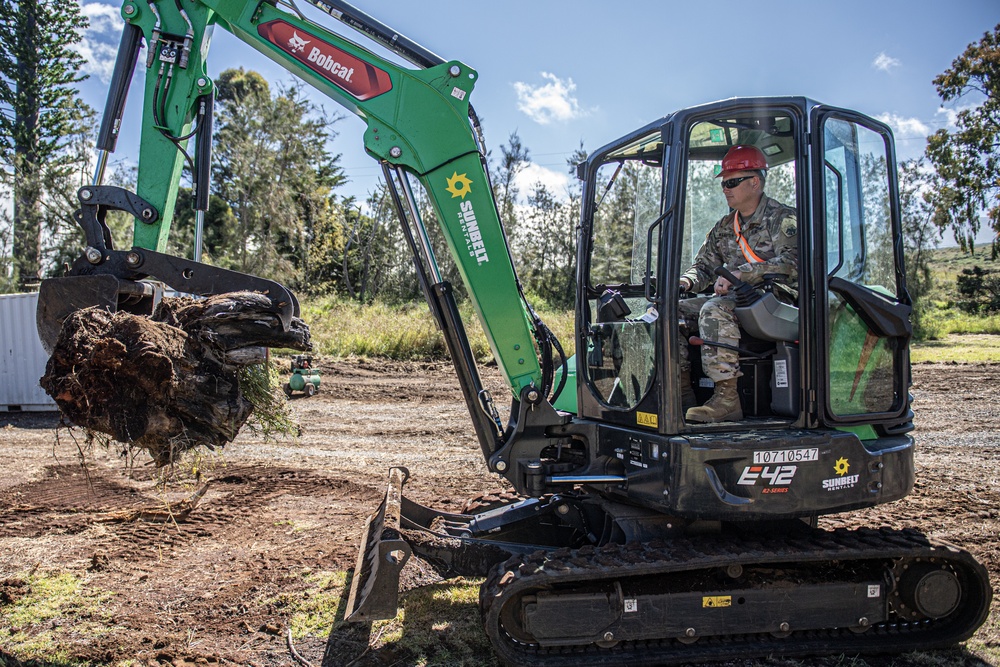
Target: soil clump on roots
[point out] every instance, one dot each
(169, 382)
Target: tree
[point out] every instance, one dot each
(548, 258)
(6, 258)
(273, 172)
(40, 119)
(967, 161)
(514, 157)
(916, 194)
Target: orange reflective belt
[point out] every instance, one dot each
(748, 252)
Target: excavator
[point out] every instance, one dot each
(632, 535)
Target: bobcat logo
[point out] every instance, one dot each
(296, 43)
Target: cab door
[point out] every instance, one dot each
(862, 307)
(617, 309)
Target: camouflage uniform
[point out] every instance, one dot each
(772, 234)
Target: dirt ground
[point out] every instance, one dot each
(208, 589)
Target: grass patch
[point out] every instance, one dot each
(404, 332)
(941, 319)
(438, 625)
(47, 613)
(963, 349)
(313, 611)
(342, 328)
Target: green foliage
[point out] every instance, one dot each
(514, 158)
(980, 291)
(963, 348)
(313, 611)
(341, 327)
(275, 174)
(546, 254)
(38, 71)
(260, 384)
(941, 314)
(967, 160)
(919, 231)
(43, 127)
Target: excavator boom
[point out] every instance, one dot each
(418, 126)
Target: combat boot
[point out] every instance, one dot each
(688, 399)
(724, 406)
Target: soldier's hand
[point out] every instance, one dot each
(685, 285)
(722, 285)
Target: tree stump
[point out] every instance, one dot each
(167, 383)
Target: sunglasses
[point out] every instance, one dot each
(731, 183)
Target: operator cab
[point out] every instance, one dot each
(651, 198)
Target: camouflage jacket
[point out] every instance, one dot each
(772, 234)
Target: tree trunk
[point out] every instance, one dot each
(27, 195)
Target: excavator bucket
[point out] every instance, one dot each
(375, 586)
(117, 286)
(59, 297)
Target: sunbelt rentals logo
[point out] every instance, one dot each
(460, 185)
(844, 481)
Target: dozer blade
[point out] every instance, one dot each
(375, 586)
(60, 297)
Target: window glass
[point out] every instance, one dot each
(621, 353)
(860, 250)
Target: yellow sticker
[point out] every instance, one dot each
(459, 185)
(717, 601)
(646, 419)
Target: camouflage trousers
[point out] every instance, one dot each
(716, 320)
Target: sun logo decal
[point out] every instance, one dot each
(841, 467)
(458, 185)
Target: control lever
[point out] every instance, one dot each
(746, 294)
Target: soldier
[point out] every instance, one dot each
(758, 237)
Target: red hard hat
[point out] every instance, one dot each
(743, 158)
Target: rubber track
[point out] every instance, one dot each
(662, 558)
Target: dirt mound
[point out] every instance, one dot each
(170, 382)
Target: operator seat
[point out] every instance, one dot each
(768, 319)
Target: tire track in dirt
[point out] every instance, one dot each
(69, 502)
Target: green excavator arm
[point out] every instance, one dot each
(422, 130)
(418, 127)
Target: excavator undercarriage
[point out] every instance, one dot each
(698, 592)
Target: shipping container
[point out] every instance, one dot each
(22, 357)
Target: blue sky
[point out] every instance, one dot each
(560, 72)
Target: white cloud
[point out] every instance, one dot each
(555, 181)
(99, 43)
(885, 62)
(950, 116)
(548, 102)
(905, 128)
